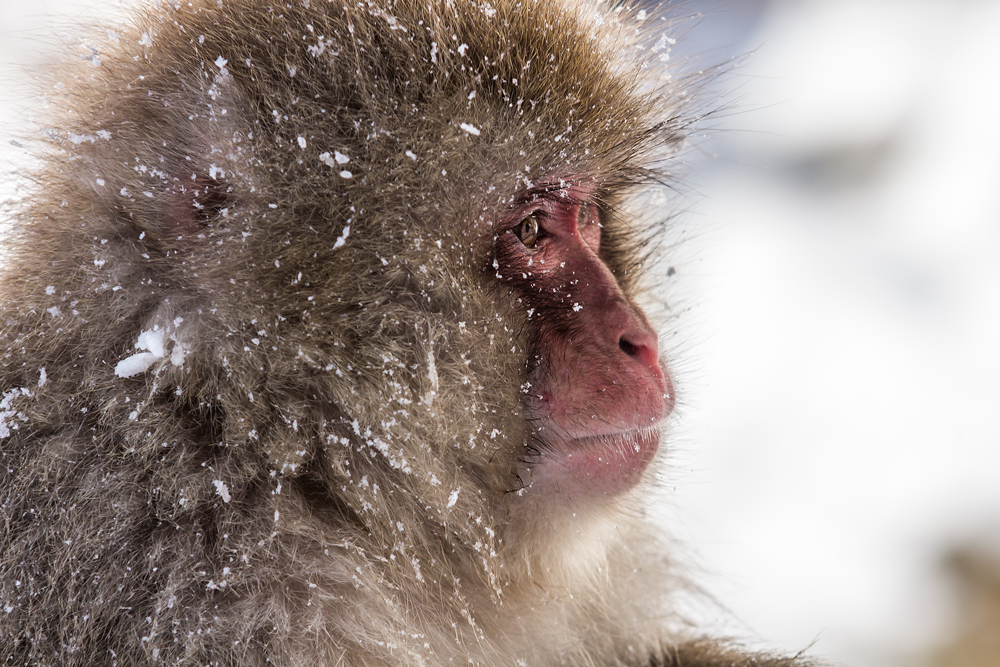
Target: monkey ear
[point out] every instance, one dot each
(192, 204)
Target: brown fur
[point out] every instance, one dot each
(318, 466)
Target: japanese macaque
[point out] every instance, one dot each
(320, 347)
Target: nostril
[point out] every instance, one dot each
(627, 347)
(643, 353)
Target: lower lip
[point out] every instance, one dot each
(609, 464)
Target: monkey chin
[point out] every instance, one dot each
(592, 466)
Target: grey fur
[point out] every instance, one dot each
(256, 411)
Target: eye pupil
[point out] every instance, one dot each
(528, 231)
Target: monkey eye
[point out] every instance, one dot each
(529, 230)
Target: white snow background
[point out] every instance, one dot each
(839, 422)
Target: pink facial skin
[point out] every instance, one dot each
(598, 391)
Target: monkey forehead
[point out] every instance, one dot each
(382, 119)
(569, 75)
(553, 196)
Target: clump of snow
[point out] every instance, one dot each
(320, 47)
(471, 129)
(178, 354)
(152, 341)
(8, 412)
(137, 363)
(432, 376)
(334, 160)
(663, 44)
(342, 239)
(222, 489)
(79, 138)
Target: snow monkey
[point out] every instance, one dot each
(320, 343)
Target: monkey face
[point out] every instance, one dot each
(596, 392)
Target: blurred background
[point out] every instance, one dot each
(835, 465)
(837, 457)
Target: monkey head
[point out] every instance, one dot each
(412, 220)
(323, 308)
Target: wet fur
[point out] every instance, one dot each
(320, 469)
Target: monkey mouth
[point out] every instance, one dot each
(605, 464)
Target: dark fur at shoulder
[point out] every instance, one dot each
(713, 653)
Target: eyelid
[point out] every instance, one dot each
(589, 214)
(540, 214)
(551, 210)
(590, 211)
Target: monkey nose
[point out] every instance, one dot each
(639, 343)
